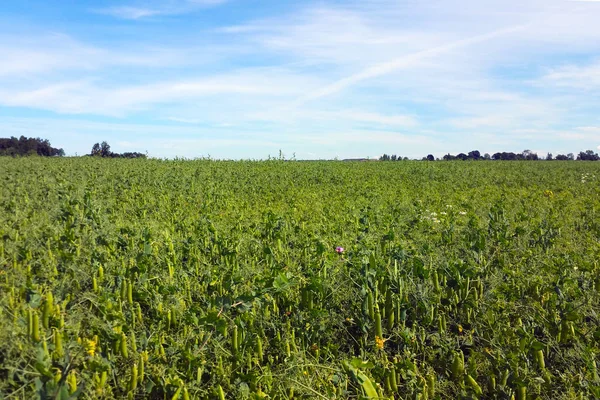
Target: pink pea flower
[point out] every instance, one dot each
(339, 250)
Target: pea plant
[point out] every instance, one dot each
(177, 279)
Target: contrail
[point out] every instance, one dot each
(402, 62)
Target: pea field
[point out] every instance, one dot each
(181, 279)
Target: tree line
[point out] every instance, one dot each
(24, 146)
(103, 150)
(588, 155)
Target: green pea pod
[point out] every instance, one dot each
(35, 330)
(123, 346)
(474, 385)
(234, 340)
(141, 369)
(458, 366)
(177, 394)
(522, 393)
(58, 346)
(124, 290)
(29, 322)
(134, 378)
(539, 356)
(504, 377)
(72, 382)
(370, 305)
(103, 378)
(378, 328)
(393, 379)
(130, 293)
(133, 342)
(259, 348)
(431, 385)
(139, 313)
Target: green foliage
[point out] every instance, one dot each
(24, 146)
(205, 279)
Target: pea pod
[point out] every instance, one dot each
(389, 309)
(220, 392)
(130, 293)
(393, 378)
(370, 305)
(504, 377)
(58, 345)
(133, 381)
(139, 313)
(431, 385)
(458, 365)
(72, 382)
(141, 369)
(522, 393)
(259, 348)
(378, 328)
(474, 385)
(539, 356)
(47, 310)
(35, 327)
(123, 346)
(234, 340)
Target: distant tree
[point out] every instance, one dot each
(394, 157)
(562, 157)
(506, 156)
(105, 149)
(549, 157)
(487, 156)
(462, 156)
(588, 155)
(571, 156)
(449, 157)
(96, 150)
(475, 155)
(430, 157)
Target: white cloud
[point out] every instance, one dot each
(406, 61)
(88, 96)
(134, 12)
(586, 77)
(127, 12)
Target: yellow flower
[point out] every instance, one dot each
(548, 193)
(90, 346)
(379, 342)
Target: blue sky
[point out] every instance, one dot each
(318, 79)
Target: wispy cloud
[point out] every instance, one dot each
(135, 12)
(586, 77)
(402, 62)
